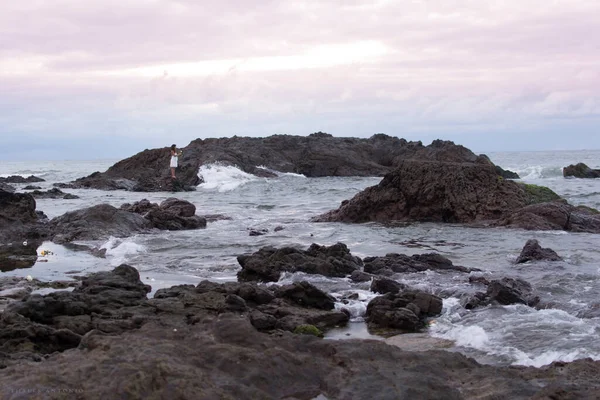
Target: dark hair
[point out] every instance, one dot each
(173, 147)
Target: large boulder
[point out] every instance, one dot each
(268, 263)
(434, 192)
(580, 170)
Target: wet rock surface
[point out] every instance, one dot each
(268, 263)
(580, 170)
(404, 310)
(106, 338)
(504, 291)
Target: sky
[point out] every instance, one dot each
(109, 78)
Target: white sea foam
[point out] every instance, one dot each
(224, 178)
(551, 356)
(118, 250)
(278, 173)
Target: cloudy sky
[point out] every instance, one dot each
(108, 78)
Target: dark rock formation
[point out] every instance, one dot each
(103, 221)
(404, 310)
(20, 179)
(401, 263)
(504, 291)
(461, 193)
(97, 222)
(32, 187)
(385, 285)
(115, 301)
(268, 263)
(19, 220)
(316, 155)
(53, 193)
(203, 342)
(532, 251)
(435, 192)
(581, 171)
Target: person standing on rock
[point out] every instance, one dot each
(174, 158)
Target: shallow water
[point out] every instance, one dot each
(496, 335)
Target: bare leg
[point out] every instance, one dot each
(173, 173)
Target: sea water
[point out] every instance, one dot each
(566, 329)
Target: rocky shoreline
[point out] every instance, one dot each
(240, 340)
(100, 335)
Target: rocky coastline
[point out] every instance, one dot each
(102, 335)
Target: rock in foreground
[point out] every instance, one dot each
(199, 343)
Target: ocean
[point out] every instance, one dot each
(567, 329)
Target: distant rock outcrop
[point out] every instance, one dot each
(316, 155)
(20, 179)
(580, 171)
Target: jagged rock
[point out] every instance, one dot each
(504, 291)
(268, 263)
(433, 192)
(581, 171)
(532, 251)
